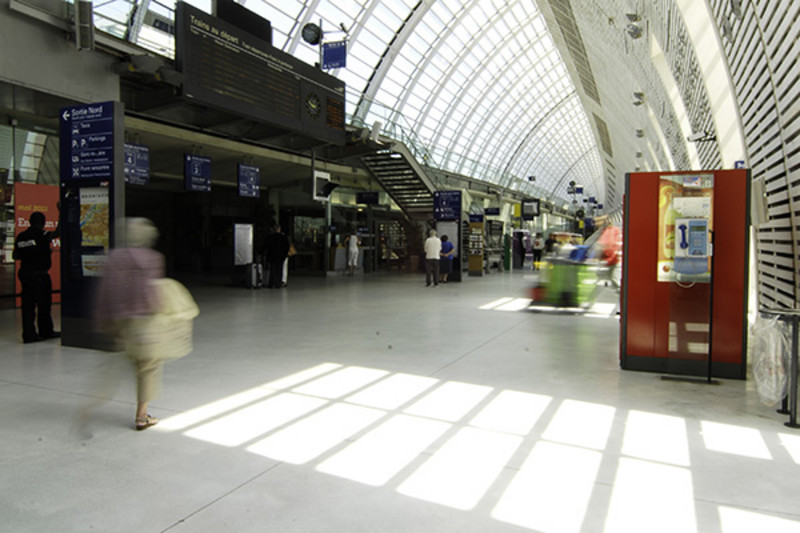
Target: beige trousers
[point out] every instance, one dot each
(149, 377)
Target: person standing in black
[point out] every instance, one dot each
(276, 250)
(550, 244)
(32, 249)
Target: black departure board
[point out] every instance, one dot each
(229, 69)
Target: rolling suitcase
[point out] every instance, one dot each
(254, 278)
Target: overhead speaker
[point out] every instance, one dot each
(84, 25)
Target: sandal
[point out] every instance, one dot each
(145, 422)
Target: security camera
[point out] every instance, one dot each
(376, 131)
(634, 30)
(703, 136)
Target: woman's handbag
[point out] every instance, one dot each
(167, 334)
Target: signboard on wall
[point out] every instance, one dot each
(87, 142)
(197, 173)
(92, 196)
(447, 205)
(137, 164)
(249, 178)
(334, 55)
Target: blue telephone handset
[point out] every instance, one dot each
(683, 242)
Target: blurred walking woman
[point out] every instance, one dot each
(137, 306)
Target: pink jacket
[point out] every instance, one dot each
(125, 290)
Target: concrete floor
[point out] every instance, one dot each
(374, 404)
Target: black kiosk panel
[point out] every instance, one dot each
(229, 69)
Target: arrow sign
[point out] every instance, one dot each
(87, 133)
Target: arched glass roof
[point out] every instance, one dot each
(479, 83)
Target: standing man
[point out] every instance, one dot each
(276, 249)
(550, 244)
(353, 242)
(32, 249)
(433, 247)
(538, 248)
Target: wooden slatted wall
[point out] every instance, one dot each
(763, 50)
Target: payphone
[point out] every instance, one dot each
(692, 247)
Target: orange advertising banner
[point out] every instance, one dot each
(29, 198)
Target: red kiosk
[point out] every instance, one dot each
(685, 277)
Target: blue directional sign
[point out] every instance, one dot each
(197, 173)
(249, 181)
(137, 164)
(447, 205)
(334, 55)
(87, 142)
(491, 211)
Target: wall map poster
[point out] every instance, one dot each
(94, 217)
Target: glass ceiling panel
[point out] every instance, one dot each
(479, 82)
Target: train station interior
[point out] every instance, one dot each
(616, 385)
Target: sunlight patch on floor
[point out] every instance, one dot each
(379, 455)
(496, 303)
(393, 392)
(551, 491)
(253, 421)
(450, 443)
(449, 402)
(512, 412)
(517, 304)
(581, 424)
(656, 437)
(210, 410)
(736, 440)
(308, 438)
(341, 382)
(792, 445)
(651, 497)
(462, 470)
